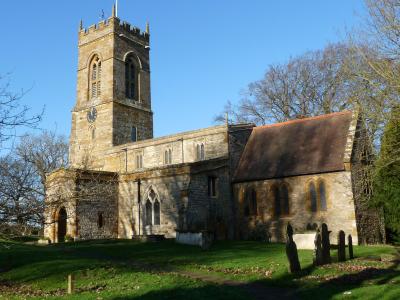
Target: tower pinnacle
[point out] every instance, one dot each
(113, 13)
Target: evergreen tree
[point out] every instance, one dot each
(387, 175)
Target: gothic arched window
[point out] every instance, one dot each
(131, 78)
(322, 195)
(95, 78)
(313, 197)
(156, 207)
(149, 213)
(153, 211)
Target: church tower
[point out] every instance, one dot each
(113, 103)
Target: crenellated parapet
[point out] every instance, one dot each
(113, 25)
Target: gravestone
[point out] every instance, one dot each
(350, 243)
(317, 249)
(326, 245)
(291, 251)
(341, 246)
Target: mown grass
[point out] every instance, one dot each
(125, 269)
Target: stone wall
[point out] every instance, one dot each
(183, 146)
(169, 184)
(340, 213)
(60, 193)
(84, 195)
(97, 208)
(185, 203)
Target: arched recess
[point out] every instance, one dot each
(61, 224)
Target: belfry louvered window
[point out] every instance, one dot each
(95, 78)
(131, 79)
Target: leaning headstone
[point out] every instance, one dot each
(317, 249)
(326, 245)
(341, 246)
(291, 251)
(350, 243)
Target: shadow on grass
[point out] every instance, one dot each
(25, 263)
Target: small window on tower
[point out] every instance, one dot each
(133, 134)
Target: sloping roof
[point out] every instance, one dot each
(298, 147)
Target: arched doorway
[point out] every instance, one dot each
(61, 225)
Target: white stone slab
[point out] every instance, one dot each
(304, 240)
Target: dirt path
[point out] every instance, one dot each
(259, 291)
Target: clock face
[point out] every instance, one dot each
(92, 114)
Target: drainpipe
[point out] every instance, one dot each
(138, 197)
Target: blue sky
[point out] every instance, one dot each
(203, 53)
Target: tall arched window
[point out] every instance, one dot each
(149, 213)
(285, 200)
(95, 78)
(131, 78)
(168, 156)
(200, 152)
(277, 200)
(153, 211)
(139, 161)
(322, 195)
(156, 212)
(253, 201)
(313, 197)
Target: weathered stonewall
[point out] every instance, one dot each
(326, 245)
(317, 249)
(341, 246)
(350, 243)
(291, 251)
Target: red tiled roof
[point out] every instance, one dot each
(298, 147)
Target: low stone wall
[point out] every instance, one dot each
(304, 240)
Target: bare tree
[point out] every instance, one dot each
(23, 178)
(13, 113)
(311, 84)
(21, 201)
(46, 152)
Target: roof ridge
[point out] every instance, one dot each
(304, 119)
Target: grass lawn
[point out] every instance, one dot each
(125, 269)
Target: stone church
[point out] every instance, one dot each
(233, 180)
